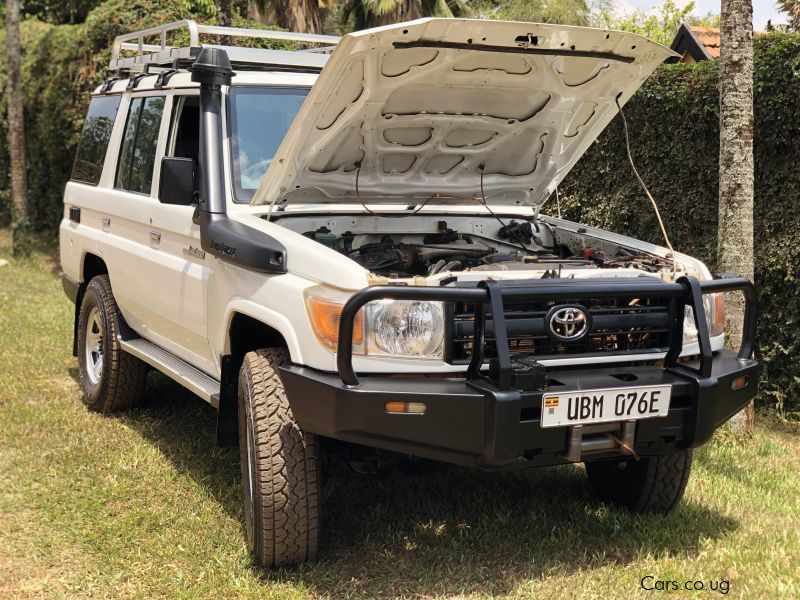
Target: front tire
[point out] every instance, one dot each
(280, 467)
(111, 378)
(653, 484)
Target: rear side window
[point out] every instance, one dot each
(94, 139)
(138, 152)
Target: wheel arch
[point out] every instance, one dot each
(91, 266)
(248, 327)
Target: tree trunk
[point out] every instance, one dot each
(735, 244)
(16, 131)
(303, 16)
(224, 12)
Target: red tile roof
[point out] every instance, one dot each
(708, 37)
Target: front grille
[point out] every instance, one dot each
(623, 325)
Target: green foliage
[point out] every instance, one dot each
(362, 14)
(660, 27)
(674, 122)
(61, 64)
(569, 12)
(59, 11)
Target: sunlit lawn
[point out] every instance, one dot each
(143, 504)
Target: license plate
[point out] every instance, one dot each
(602, 406)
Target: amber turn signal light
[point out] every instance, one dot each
(325, 316)
(406, 408)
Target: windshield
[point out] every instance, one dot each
(260, 117)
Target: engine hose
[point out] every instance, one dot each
(436, 267)
(451, 265)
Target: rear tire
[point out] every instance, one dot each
(280, 466)
(111, 378)
(653, 484)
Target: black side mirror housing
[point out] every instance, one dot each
(177, 181)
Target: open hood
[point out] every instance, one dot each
(419, 110)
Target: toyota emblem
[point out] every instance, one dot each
(568, 323)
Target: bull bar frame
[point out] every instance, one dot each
(685, 291)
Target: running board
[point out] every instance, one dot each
(173, 367)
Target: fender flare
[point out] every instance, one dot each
(268, 317)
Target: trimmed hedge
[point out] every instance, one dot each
(674, 125)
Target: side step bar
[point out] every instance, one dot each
(173, 367)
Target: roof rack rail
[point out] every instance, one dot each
(167, 56)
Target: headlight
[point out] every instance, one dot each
(398, 328)
(407, 328)
(714, 305)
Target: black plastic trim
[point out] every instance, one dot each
(515, 50)
(240, 244)
(71, 287)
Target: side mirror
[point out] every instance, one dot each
(177, 181)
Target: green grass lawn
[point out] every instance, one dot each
(143, 505)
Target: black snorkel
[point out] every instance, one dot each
(220, 236)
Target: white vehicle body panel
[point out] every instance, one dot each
(432, 108)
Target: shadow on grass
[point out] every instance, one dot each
(455, 531)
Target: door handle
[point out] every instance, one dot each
(155, 240)
(106, 224)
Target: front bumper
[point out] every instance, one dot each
(492, 420)
(473, 423)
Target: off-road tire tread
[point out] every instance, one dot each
(286, 513)
(655, 484)
(124, 376)
(665, 482)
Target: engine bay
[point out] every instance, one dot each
(434, 246)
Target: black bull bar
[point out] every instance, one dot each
(685, 291)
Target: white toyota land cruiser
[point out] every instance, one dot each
(349, 245)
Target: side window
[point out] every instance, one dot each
(94, 139)
(138, 152)
(185, 134)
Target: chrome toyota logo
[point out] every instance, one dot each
(568, 323)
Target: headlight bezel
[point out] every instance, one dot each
(714, 305)
(324, 308)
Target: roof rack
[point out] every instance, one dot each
(165, 55)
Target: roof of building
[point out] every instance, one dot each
(708, 37)
(695, 43)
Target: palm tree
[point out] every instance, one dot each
(16, 130)
(735, 242)
(372, 13)
(305, 16)
(224, 12)
(791, 8)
